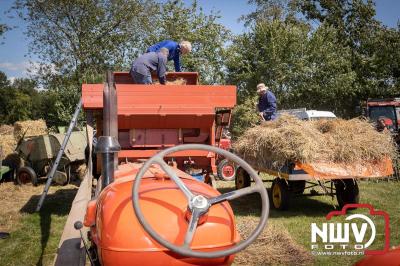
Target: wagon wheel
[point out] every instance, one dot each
(280, 194)
(26, 175)
(199, 205)
(242, 179)
(346, 191)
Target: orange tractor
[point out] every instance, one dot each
(149, 207)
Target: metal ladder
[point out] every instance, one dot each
(59, 155)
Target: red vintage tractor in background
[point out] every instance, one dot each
(226, 170)
(148, 209)
(385, 111)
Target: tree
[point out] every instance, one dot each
(177, 22)
(76, 41)
(20, 100)
(346, 57)
(4, 82)
(373, 46)
(3, 28)
(80, 38)
(304, 68)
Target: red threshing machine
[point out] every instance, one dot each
(152, 118)
(147, 208)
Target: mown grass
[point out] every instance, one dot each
(303, 211)
(35, 236)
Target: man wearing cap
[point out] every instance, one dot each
(266, 103)
(175, 50)
(145, 64)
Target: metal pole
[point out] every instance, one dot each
(110, 110)
(59, 155)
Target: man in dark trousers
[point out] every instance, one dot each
(266, 103)
(175, 50)
(143, 66)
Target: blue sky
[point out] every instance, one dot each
(14, 58)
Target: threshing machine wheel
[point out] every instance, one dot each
(280, 194)
(226, 170)
(242, 178)
(26, 175)
(346, 191)
(199, 204)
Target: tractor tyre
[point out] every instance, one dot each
(26, 175)
(280, 194)
(242, 178)
(226, 170)
(297, 187)
(347, 192)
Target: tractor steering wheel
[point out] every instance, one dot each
(199, 204)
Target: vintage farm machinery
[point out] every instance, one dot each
(37, 155)
(152, 118)
(149, 206)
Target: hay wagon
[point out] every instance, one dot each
(338, 179)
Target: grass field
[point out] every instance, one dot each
(285, 241)
(34, 236)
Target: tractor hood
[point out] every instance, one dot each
(115, 226)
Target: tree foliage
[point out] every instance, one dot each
(16, 101)
(76, 41)
(79, 38)
(317, 54)
(304, 68)
(175, 21)
(374, 47)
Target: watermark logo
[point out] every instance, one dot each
(354, 236)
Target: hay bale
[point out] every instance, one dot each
(288, 139)
(30, 128)
(6, 130)
(7, 145)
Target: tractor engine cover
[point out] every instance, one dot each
(120, 238)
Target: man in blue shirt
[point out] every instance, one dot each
(175, 50)
(143, 66)
(266, 103)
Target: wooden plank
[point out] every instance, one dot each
(70, 248)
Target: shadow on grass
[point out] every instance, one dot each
(299, 205)
(58, 203)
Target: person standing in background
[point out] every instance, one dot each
(266, 103)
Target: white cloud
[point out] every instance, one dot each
(11, 79)
(21, 66)
(26, 68)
